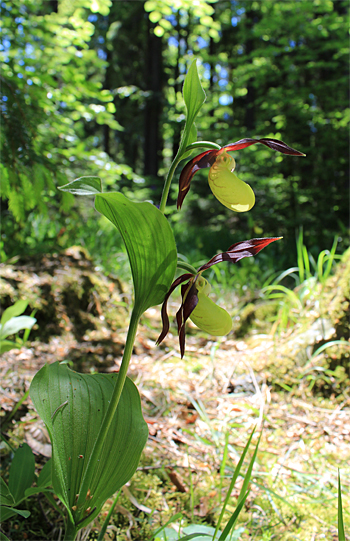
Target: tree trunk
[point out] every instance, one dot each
(153, 109)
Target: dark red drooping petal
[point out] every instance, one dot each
(275, 144)
(239, 250)
(189, 296)
(165, 319)
(203, 160)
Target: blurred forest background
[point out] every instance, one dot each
(93, 87)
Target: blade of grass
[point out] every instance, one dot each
(233, 518)
(341, 531)
(178, 516)
(306, 262)
(274, 494)
(223, 462)
(300, 256)
(324, 274)
(106, 522)
(233, 480)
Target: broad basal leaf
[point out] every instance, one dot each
(150, 244)
(73, 406)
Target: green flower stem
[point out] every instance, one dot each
(186, 266)
(167, 184)
(176, 161)
(203, 144)
(71, 531)
(96, 453)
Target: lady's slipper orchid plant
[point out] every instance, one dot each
(225, 185)
(196, 304)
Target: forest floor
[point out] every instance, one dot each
(216, 394)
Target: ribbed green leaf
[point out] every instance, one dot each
(150, 244)
(73, 406)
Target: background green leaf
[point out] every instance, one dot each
(83, 186)
(194, 97)
(12, 311)
(45, 477)
(6, 497)
(7, 345)
(150, 244)
(16, 324)
(8, 512)
(73, 406)
(193, 93)
(22, 471)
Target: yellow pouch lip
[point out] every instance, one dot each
(210, 317)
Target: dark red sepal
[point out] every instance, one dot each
(203, 160)
(275, 144)
(164, 313)
(239, 250)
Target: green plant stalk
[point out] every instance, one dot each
(186, 266)
(94, 458)
(71, 530)
(176, 161)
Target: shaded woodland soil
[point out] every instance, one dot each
(220, 389)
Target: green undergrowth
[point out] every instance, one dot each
(294, 484)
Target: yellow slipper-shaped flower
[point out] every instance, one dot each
(227, 187)
(195, 303)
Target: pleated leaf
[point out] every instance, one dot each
(73, 406)
(150, 244)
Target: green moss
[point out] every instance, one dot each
(256, 317)
(68, 294)
(294, 359)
